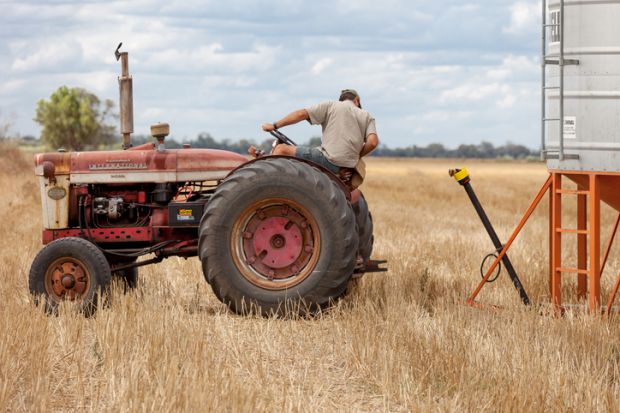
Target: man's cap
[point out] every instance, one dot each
(351, 91)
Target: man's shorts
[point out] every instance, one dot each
(315, 155)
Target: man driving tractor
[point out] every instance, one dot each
(349, 133)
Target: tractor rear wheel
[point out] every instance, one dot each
(69, 269)
(277, 236)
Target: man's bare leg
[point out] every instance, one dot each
(283, 149)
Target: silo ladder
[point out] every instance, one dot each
(557, 35)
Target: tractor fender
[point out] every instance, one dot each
(347, 192)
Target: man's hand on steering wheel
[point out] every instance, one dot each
(268, 127)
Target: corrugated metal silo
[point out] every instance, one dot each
(585, 90)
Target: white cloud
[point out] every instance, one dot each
(507, 101)
(213, 57)
(445, 116)
(513, 67)
(524, 18)
(465, 8)
(12, 86)
(471, 91)
(321, 65)
(48, 55)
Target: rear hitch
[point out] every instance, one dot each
(370, 266)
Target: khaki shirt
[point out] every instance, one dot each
(345, 129)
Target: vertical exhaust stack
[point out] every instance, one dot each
(125, 86)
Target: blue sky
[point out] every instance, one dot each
(429, 71)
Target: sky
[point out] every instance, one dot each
(450, 72)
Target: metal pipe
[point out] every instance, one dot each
(137, 264)
(496, 242)
(543, 73)
(464, 180)
(561, 67)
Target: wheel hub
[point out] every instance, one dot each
(68, 281)
(277, 243)
(67, 278)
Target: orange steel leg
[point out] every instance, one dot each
(612, 296)
(582, 245)
(595, 244)
(609, 244)
(556, 242)
(513, 236)
(551, 233)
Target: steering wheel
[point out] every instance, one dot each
(282, 138)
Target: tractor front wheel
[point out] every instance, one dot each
(69, 269)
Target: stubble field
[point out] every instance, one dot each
(402, 341)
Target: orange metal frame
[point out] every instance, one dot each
(589, 264)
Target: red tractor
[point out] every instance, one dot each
(269, 232)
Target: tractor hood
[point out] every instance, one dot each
(139, 164)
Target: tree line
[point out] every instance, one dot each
(76, 119)
(484, 150)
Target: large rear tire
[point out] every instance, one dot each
(69, 269)
(278, 236)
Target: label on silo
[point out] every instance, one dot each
(570, 127)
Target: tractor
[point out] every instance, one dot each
(273, 233)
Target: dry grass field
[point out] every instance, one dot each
(402, 341)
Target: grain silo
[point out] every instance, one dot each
(580, 133)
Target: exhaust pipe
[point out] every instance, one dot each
(126, 97)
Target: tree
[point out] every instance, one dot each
(73, 119)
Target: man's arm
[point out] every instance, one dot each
(290, 119)
(371, 143)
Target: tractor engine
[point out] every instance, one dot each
(112, 208)
(135, 198)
